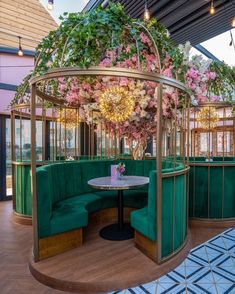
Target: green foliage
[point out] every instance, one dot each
(82, 39)
(224, 84)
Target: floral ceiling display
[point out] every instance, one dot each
(110, 38)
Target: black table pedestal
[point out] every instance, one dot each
(113, 233)
(120, 231)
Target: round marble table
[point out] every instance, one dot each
(120, 230)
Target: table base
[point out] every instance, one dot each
(113, 233)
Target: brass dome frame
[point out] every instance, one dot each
(116, 72)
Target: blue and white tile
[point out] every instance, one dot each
(228, 288)
(208, 269)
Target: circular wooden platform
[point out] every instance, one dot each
(101, 266)
(21, 219)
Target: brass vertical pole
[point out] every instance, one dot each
(101, 140)
(53, 135)
(43, 132)
(159, 173)
(33, 173)
(65, 133)
(56, 139)
(60, 135)
(188, 128)
(13, 158)
(21, 136)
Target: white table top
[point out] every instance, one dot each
(127, 182)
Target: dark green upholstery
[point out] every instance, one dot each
(23, 189)
(212, 190)
(67, 199)
(174, 212)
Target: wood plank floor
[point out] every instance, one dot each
(100, 263)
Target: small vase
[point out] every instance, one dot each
(119, 176)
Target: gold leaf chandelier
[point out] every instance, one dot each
(116, 105)
(69, 118)
(208, 118)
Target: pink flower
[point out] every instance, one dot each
(106, 62)
(193, 73)
(86, 87)
(202, 87)
(145, 39)
(202, 98)
(215, 98)
(124, 82)
(212, 75)
(134, 58)
(138, 110)
(98, 86)
(61, 79)
(193, 86)
(128, 49)
(167, 72)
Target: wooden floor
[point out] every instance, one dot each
(99, 264)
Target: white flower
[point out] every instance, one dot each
(143, 113)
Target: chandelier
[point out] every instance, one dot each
(68, 118)
(116, 105)
(208, 118)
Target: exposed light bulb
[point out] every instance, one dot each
(50, 5)
(233, 22)
(212, 8)
(20, 52)
(147, 14)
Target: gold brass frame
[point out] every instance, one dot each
(222, 126)
(102, 71)
(225, 124)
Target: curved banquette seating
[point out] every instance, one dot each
(65, 204)
(212, 189)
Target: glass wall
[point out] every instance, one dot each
(5, 158)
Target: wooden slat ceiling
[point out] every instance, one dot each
(187, 20)
(25, 18)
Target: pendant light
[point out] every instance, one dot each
(50, 4)
(212, 8)
(147, 13)
(20, 50)
(233, 22)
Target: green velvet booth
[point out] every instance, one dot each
(22, 192)
(23, 198)
(212, 189)
(174, 211)
(65, 201)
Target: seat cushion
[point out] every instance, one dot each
(90, 201)
(140, 222)
(66, 217)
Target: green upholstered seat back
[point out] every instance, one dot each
(212, 190)
(70, 178)
(174, 207)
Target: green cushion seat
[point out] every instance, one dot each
(67, 217)
(140, 222)
(144, 220)
(89, 201)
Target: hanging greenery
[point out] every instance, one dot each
(111, 38)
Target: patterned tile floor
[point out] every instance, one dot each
(209, 268)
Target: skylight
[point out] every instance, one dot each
(219, 47)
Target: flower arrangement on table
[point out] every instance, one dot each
(121, 168)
